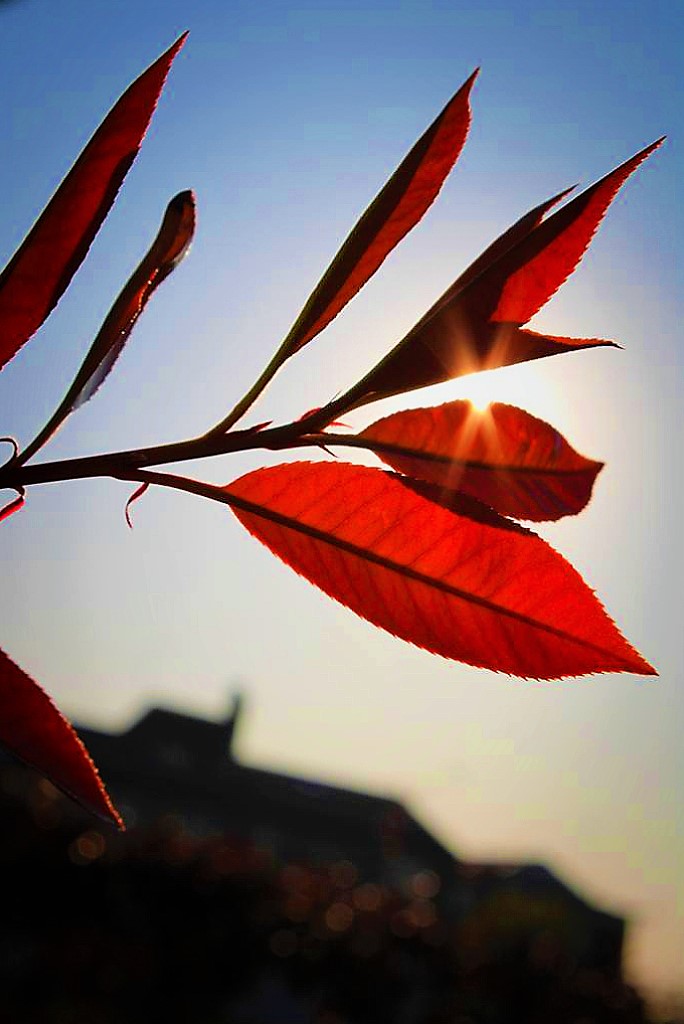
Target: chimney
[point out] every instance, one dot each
(231, 722)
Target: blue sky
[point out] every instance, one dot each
(286, 119)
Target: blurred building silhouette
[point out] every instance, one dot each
(169, 762)
(173, 763)
(241, 895)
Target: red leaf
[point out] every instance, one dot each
(166, 252)
(502, 456)
(41, 269)
(137, 493)
(462, 582)
(450, 345)
(33, 729)
(12, 506)
(475, 325)
(527, 277)
(501, 245)
(396, 209)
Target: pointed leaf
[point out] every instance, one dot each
(396, 209)
(449, 345)
(12, 506)
(527, 277)
(463, 582)
(502, 456)
(476, 326)
(33, 729)
(41, 269)
(166, 252)
(501, 245)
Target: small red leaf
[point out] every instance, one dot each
(396, 209)
(137, 493)
(462, 582)
(41, 269)
(502, 456)
(33, 729)
(166, 252)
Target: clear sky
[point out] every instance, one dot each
(286, 119)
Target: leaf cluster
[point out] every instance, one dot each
(429, 549)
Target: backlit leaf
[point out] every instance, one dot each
(168, 249)
(32, 728)
(41, 269)
(476, 326)
(501, 245)
(12, 506)
(526, 277)
(396, 209)
(450, 345)
(502, 456)
(462, 582)
(137, 493)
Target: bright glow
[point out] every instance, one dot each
(479, 393)
(525, 386)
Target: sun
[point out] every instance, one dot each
(479, 391)
(526, 386)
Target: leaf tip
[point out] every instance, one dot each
(562, 195)
(186, 196)
(13, 506)
(165, 60)
(179, 43)
(102, 806)
(15, 447)
(35, 731)
(629, 166)
(91, 792)
(137, 493)
(465, 90)
(639, 666)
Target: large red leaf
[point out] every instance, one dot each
(41, 269)
(33, 729)
(502, 456)
(396, 209)
(476, 325)
(462, 582)
(166, 252)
